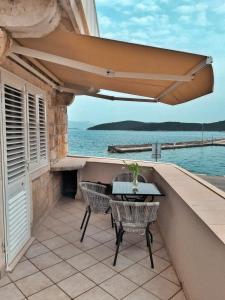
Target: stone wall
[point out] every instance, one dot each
(46, 191)
(57, 120)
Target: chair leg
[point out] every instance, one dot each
(119, 236)
(112, 221)
(151, 236)
(84, 218)
(86, 224)
(116, 231)
(149, 247)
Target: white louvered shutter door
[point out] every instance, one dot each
(42, 130)
(17, 206)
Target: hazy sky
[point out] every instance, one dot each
(188, 25)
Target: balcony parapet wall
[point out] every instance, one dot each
(191, 220)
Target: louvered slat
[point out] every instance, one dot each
(15, 138)
(42, 129)
(32, 115)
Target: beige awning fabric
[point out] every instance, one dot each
(168, 76)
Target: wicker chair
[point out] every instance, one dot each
(128, 177)
(134, 217)
(96, 202)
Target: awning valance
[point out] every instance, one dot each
(168, 76)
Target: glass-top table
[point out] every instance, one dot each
(125, 189)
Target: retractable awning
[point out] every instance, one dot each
(163, 75)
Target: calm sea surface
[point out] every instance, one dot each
(206, 160)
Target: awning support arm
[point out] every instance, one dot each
(106, 97)
(95, 69)
(130, 99)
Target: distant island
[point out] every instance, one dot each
(164, 126)
(79, 125)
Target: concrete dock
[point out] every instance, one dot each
(165, 146)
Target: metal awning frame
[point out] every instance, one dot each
(36, 54)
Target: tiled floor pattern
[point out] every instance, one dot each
(58, 267)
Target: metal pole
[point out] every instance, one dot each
(202, 131)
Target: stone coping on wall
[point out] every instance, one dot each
(68, 164)
(206, 200)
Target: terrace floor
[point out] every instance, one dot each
(58, 267)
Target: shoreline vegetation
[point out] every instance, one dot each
(164, 126)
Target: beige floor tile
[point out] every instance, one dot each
(95, 294)
(179, 296)
(67, 219)
(43, 234)
(45, 260)
(57, 214)
(99, 273)
(36, 250)
(88, 243)
(67, 251)
(35, 241)
(138, 274)
(112, 244)
(75, 224)
(60, 271)
(141, 294)
(72, 236)
(10, 292)
(101, 252)
(111, 230)
(23, 258)
(103, 237)
(22, 269)
(133, 238)
(82, 261)
(55, 243)
(51, 293)
(162, 253)
(171, 275)
(102, 225)
(122, 263)
(52, 222)
(76, 285)
(92, 229)
(159, 264)
(155, 245)
(5, 280)
(33, 283)
(157, 237)
(63, 229)
(134, 253)
(161, 287)
(118, 286)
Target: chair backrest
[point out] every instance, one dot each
(128, 177)
(134, 214)
(94, 196)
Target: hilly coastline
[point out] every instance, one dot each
(164, 126)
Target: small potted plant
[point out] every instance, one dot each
(135, 169)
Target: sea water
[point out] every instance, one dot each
(205, 160)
